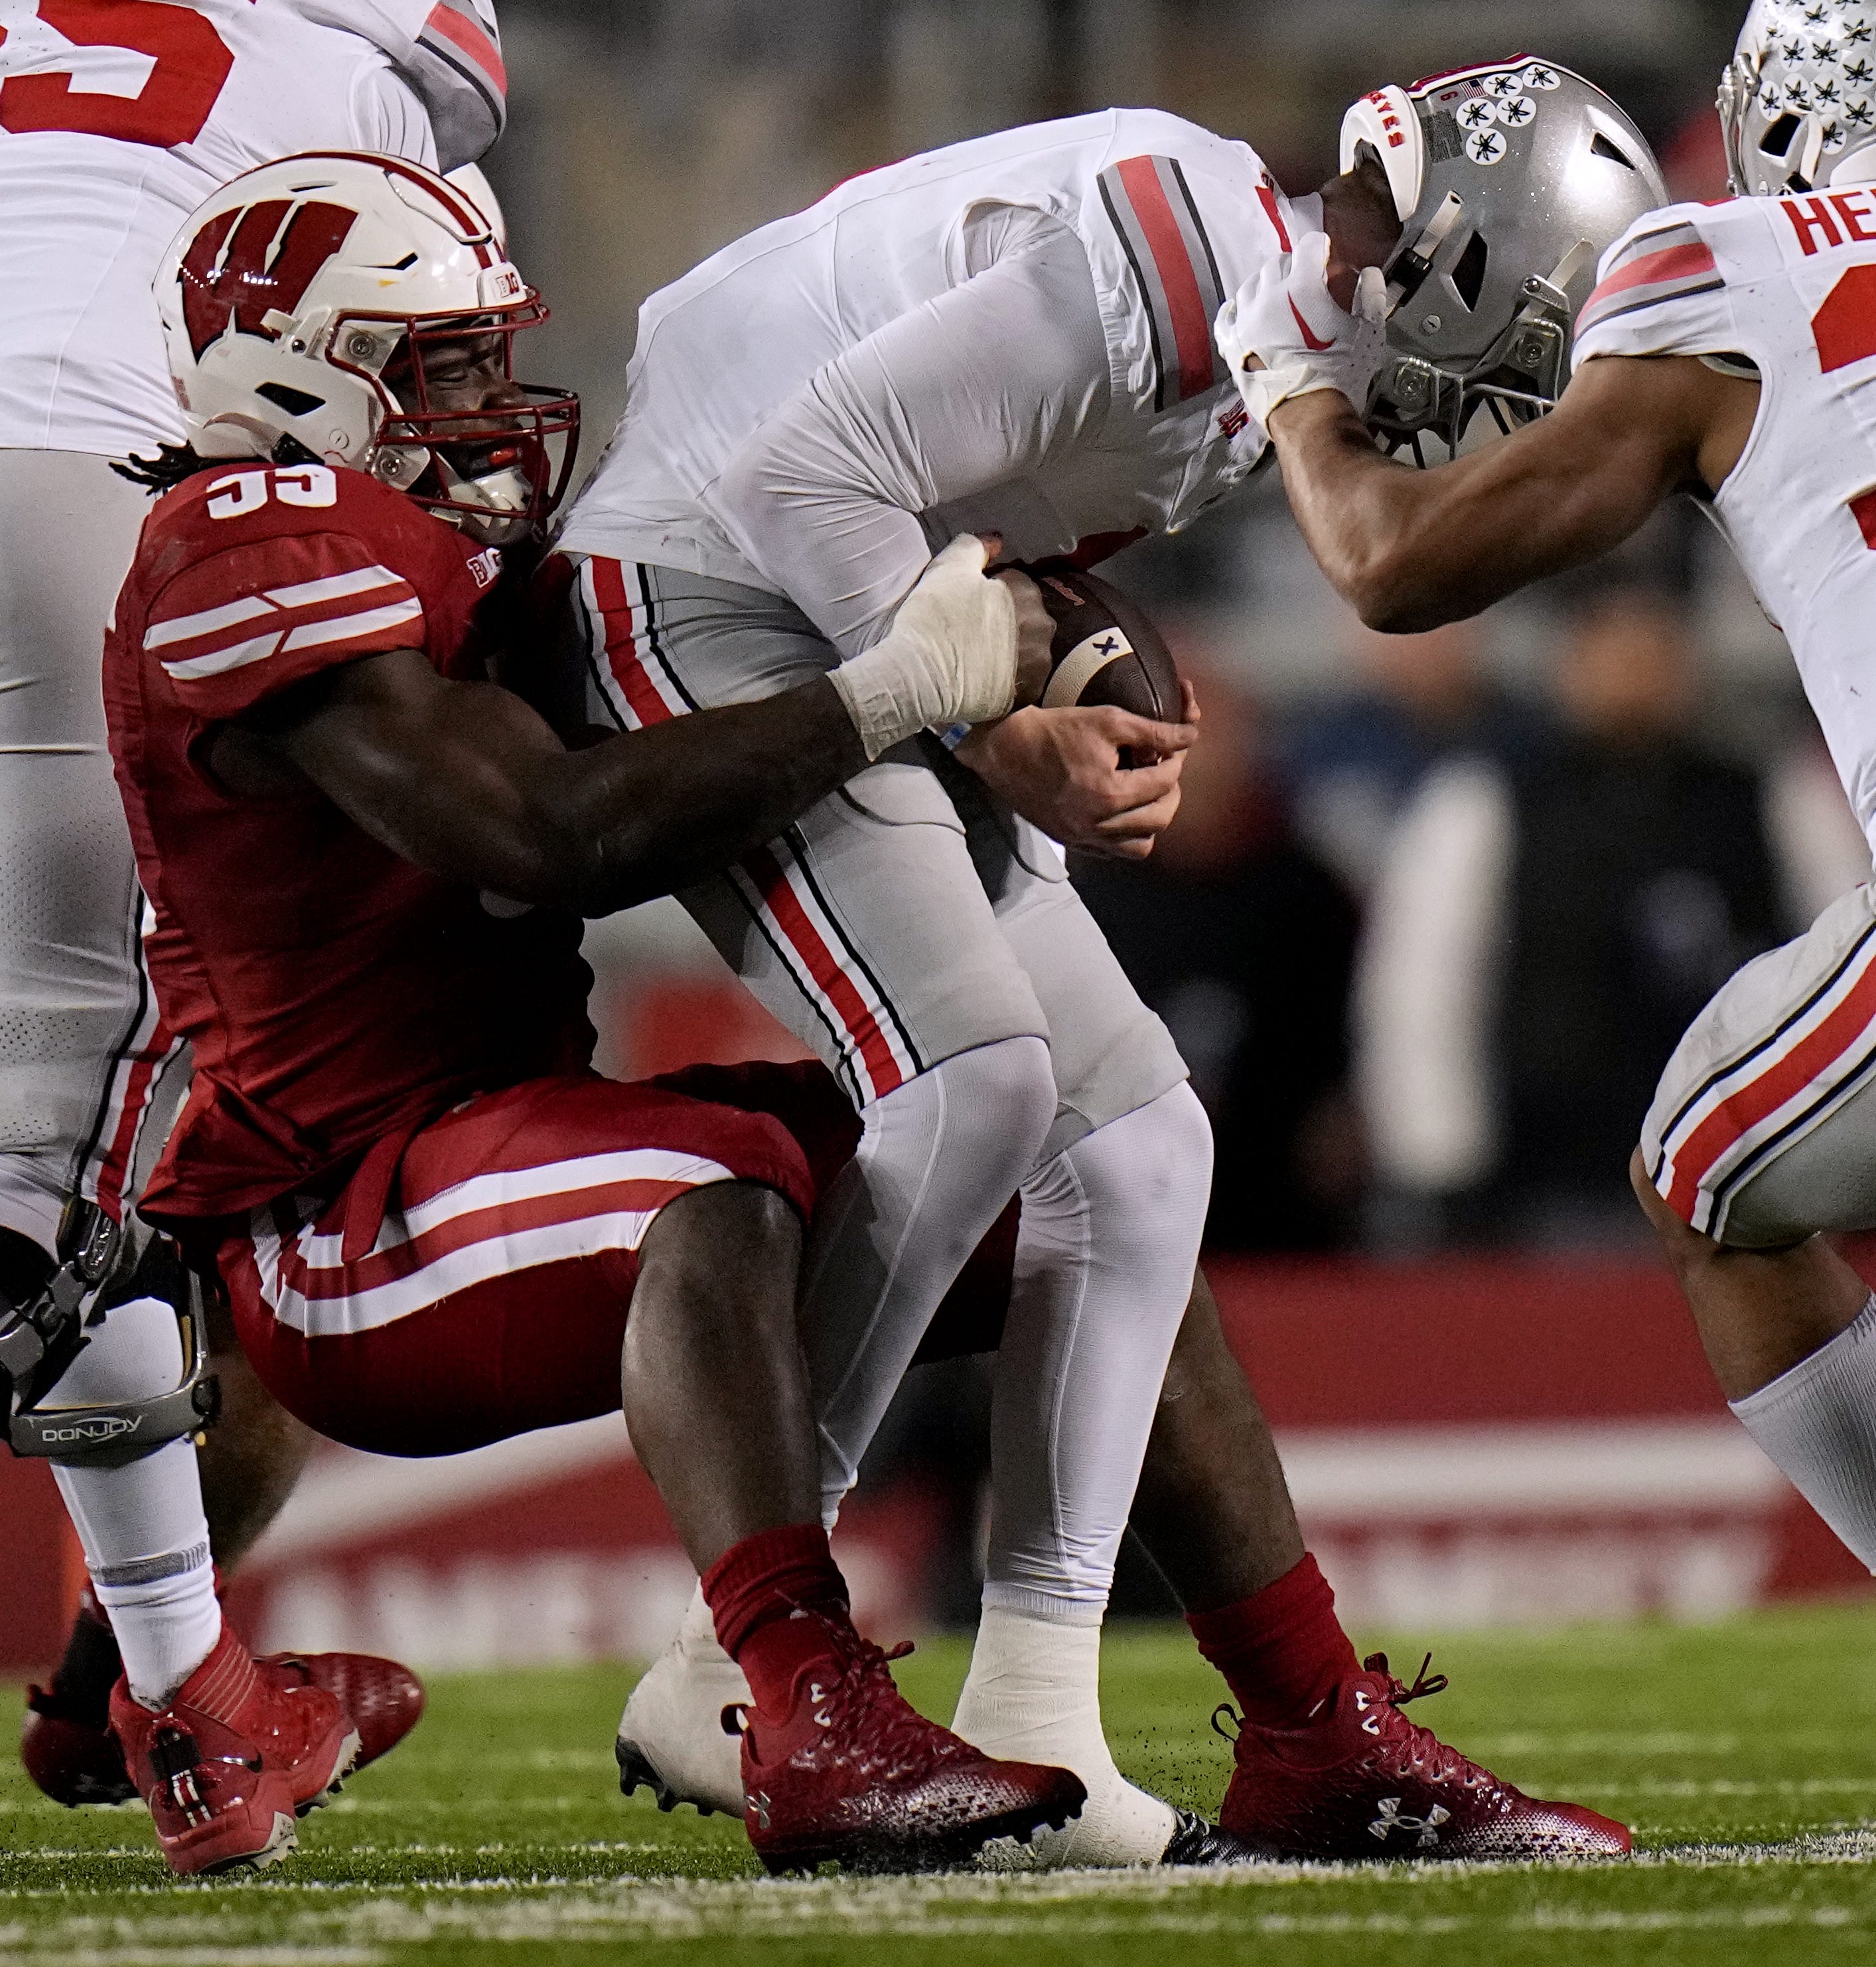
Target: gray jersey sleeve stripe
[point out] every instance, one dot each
(1198, 248)
(1168, 243)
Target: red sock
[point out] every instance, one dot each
(755, 1589)
(1282, 1650)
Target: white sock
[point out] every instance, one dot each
(1105, 1258)
(146, 1539)
(1818, 1423)
(940, 1157)
(1033, 1695)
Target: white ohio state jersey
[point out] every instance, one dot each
(117, 120)
(1171, 219)
(1789, 283)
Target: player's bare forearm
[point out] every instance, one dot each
(683, 799)
(465, 779)
(1411, 549)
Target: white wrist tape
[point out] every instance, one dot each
(950, 656)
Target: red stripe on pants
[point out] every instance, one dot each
(493, 1223)
(1785, 1077)
(835, 984)
(116, 1167)
(622, 645)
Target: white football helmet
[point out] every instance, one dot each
(1797, 101)
(299, 304)
(1510, 179)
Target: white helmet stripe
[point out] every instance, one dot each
(1386, 120)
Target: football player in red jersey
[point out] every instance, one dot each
(366, 866)
(298, 1288)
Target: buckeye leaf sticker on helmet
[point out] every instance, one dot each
(1510, 179)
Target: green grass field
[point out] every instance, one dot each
(1744, 1753)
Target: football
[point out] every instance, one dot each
(1105, 651)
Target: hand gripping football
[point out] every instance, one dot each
(1105, 649)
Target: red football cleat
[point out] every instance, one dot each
(383, 1700)
(74, 1759)
(66, 1743)
(243, 1748)
(68, 1751)
(857, 1775)
(1364, 1781)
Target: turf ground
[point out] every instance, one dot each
(1744, 1753)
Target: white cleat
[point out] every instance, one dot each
(671, 1737)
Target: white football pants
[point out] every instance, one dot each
(82, 1049)
(927, 943)
(84, 1060)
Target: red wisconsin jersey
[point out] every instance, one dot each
(335, 994)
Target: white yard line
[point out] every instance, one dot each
(289, 1926)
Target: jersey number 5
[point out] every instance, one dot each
(141, 71)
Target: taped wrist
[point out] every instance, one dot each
(885, 691)
(949, 658)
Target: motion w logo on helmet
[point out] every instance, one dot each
(248, 266)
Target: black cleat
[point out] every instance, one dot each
(1196, 1842)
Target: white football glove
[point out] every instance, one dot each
(950, 656)
(1286, 317)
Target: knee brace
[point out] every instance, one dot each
(109, 1386)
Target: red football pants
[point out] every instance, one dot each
(483, 1292)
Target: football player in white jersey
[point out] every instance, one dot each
(112, 130)
(1728, 352)
(1011, 334)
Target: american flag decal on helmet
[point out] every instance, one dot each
(1154, 211)
(1653, 267)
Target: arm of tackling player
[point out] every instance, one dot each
(1411, 549)
(465, 779)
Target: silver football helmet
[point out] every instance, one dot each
(1510, 180)
(1797, 101)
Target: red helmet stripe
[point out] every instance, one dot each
(459, 207)
(1426, 82)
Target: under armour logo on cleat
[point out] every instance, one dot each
(1392, 1818)
(756, 1804)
